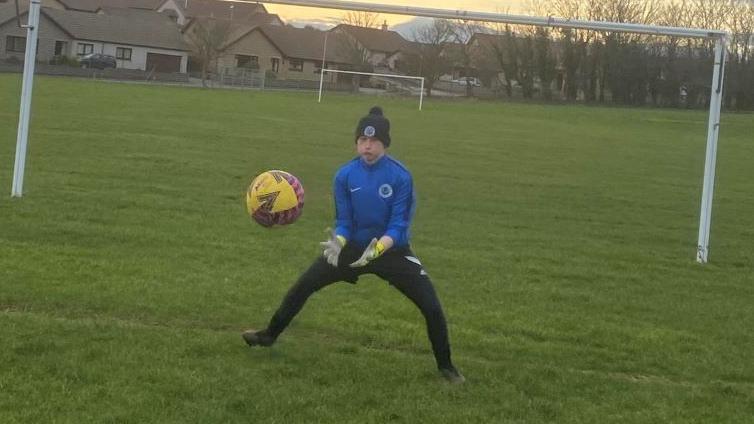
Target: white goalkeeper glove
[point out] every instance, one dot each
(372, 252)
(332, 247)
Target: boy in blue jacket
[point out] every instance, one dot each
(374, 206)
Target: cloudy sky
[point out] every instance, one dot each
(299, 15)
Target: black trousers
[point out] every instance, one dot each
(398, 266)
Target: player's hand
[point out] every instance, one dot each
(372, 252)
(332, 247)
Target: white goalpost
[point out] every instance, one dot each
(719, 36)
(371, 74)
(32, 33)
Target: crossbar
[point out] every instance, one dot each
(338, 71)
(549, 21)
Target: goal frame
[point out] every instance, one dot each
(338, 71)
(720, 38)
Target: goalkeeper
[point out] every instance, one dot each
(374, 205)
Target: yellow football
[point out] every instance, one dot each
(275, 198)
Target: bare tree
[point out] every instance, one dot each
(631, 11)
(462, 31)
(572, 43)
(427, 56)
(670, 86)
(711, 14)
(356, 55)
(362, 19)
(207, 38)
(525, 54)
(624, 67)
(544, 61)
(698, 54)
(740, 92)
(501, 47)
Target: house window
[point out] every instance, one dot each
(244, 61)
(15, 44)
(296, 65)
(275, 62)
(122, 53)
(61, 48)
(84, 48)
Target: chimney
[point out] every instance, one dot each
(384, 25)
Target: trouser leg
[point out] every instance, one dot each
(410, 279)
(424, 297)
(319, 275)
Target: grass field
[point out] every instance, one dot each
(561, 240)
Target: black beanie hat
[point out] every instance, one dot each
(374, 125)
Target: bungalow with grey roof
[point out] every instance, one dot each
(384, 48)
(94, 5)
(288, 52)
(149, 41)
(186, 10)
(182, 11)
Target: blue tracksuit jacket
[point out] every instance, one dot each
(374, 200)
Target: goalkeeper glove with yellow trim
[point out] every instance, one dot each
(372, 252)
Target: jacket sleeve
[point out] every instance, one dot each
(343, 209)
(403, 210)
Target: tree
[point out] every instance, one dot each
(462, 31)
(357, 56)
(427, 56)
(572, 43)
(500, 47)
(544, 61)
(675, 13)
(571, 63)
(740, 91)
(207, 38)
(362, 19)
(522, 55)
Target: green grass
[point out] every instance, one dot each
(561, 240)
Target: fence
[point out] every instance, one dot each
(110, 74)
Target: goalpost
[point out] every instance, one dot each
(720, 37)
(32, 32)
(336, 71)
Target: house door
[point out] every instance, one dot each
(163, 62)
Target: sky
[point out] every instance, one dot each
(324, 17)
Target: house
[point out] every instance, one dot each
(288, 52)
(237, 27)
(383, 48)
(94, 5)
(186, 10)
(182, 11)
(230, 31)
(143, 39)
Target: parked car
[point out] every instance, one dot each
(472, 81)
(97, 61)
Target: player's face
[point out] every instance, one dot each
(370, 149)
